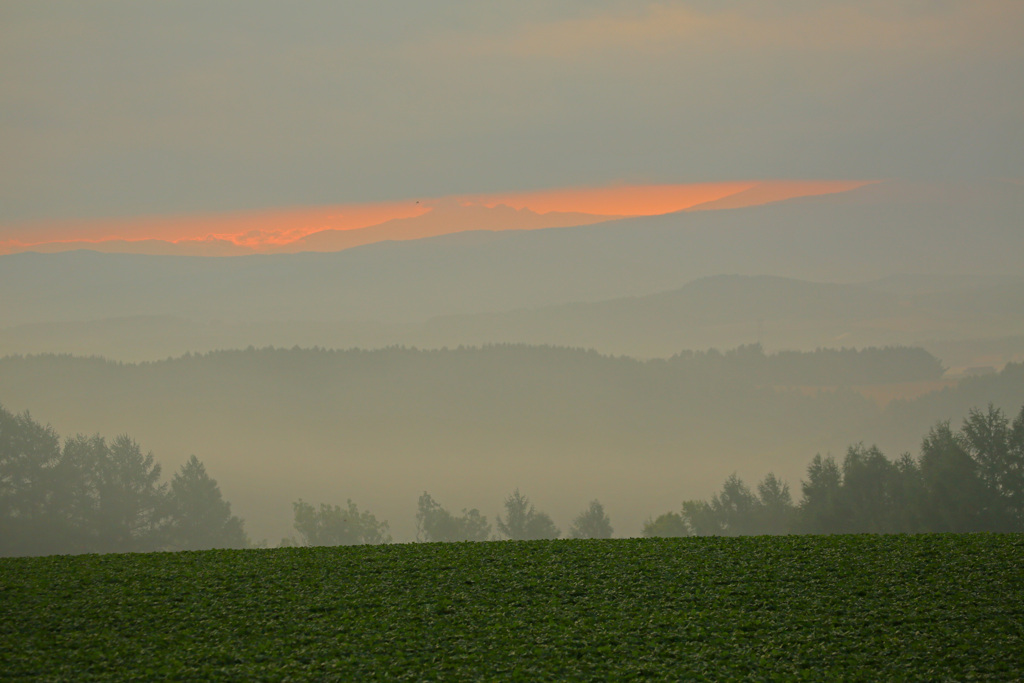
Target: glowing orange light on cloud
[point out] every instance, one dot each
(250, 228)
(283, 226)
(779, 190)
(276, 229)
(618, 200)
(651, 200)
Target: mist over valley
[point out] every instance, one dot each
(570, 363)
(512, 341)
(469, 425)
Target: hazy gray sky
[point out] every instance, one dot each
(121, 108)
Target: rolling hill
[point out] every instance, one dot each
(720, 311)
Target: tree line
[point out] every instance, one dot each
(963, 481)
(90, 495)
(966, 480)
(522, 521)
(821, 367)
(337, 525)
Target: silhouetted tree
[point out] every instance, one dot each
(591, 523)
(869, 491)
(1016, 466)
(32, 515)
(201, 518)
(434, 523)
(775, 513)
(987, 438)
(522, 522)
(668, 525)
(701, 519)
(821, 510)
(736, 507)
(120, 506)
(334, 525)
(910, 496)
(955, 497)
(738, 511)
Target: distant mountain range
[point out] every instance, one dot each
(723, 311)
(720, 311)
(872, 232)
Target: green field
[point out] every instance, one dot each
(854, 607)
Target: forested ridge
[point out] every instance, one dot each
(474, 384)
(570, 391)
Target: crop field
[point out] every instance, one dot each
(923, 607)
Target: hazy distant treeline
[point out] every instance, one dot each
(337, 525)
(749, 362)
(470, 394)
(822, 367)
(965, 481)
(970, 480)
(316, 399)
(90, 495)
(521, 522)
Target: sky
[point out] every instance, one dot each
(112, 110)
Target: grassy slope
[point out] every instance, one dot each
(878, 607)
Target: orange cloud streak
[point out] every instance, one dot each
(272, 230)
(245, 228)
(619, 200)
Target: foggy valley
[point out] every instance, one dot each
(639, 362)
(584, 340)
(469, 425)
